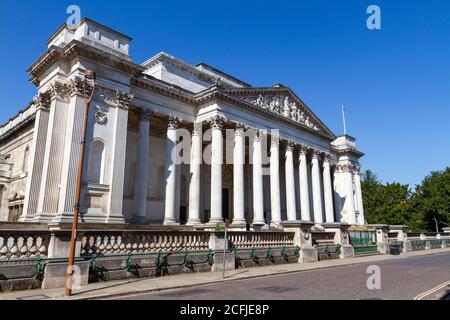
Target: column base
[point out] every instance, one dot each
(193, 222)
(171, 222)
(214, 221)
(42, 217)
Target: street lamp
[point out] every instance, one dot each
(88, 90)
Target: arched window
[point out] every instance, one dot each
(96, 161)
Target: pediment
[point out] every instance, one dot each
(282, 102)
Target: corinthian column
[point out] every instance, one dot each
(275, 179)
(171, 171)
(304, 185)
(194, 186)
(317, 192)
(142, 166)
(327, 190)
(258, 199)
(238, 175)
(216, 169)
(290, 184)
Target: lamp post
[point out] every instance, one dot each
(89, 76)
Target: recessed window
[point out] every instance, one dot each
(96, 161)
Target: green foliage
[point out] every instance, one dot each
(394, 203)
(432, 199)
(218, 228)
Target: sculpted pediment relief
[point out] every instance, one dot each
(282, 103)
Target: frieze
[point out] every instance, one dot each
(282, 105)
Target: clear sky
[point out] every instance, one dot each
(394, 82)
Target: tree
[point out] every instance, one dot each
(432, 199)
(388, 203)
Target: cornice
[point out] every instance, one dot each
(352, 151)
(79, 49)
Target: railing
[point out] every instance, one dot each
(418, 245)
(142, 242)
(260, 239)
(256, 254)
(363, 241)
(23, 244)
(328, 251)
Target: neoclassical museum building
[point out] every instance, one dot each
(258, 156)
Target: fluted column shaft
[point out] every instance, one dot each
(361, 219)
(216, 169)
(349, 198)
(317, 192)
(142, 167)
(290, 184)
(238, 176)
(194, 185)
(275, 179)
(327, 189)
(304, 185)
(258, 198)
(171, 168)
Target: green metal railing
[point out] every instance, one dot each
(329, 250)
(363, 241)
(418, 244)
(268, 255)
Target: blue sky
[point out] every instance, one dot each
(394, 82)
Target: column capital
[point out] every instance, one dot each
(304, 150)
(197, 129)
(145, 114)
(174, 122)
(259, 134)
(317, 154)
(42, 101)
(114, 97)
(216, 122)
(290, 145)
(275, 140)
(326, 158)
(59, 90)
(241, 127)
(77, 86)
(344, 168)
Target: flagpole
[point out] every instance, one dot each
(343, 120)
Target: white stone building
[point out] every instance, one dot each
(300, 172)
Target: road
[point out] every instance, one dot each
(401, 279)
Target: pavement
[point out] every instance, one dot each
(414, 273)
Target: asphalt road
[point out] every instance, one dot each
(400, 279)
